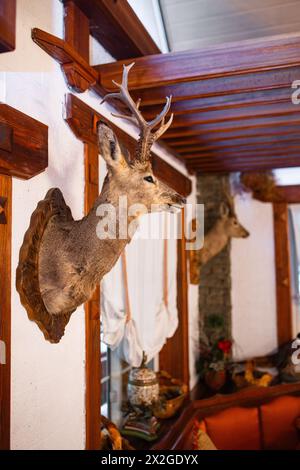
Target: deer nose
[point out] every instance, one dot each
(178, 199)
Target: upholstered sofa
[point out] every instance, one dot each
(254, 419)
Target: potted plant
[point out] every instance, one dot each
(213, 362)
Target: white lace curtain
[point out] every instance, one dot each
(152, 322)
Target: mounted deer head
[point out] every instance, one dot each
(70, 258)
(226, 227)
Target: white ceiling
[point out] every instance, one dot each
(192, 24)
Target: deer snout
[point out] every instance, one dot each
(245, 233)
(178, 200)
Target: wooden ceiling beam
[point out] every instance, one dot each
(213, 61)
(116, 26)
(229, 85)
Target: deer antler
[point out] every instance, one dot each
(146, 136)
(228, 197)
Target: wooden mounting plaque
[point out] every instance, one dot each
(27, 281)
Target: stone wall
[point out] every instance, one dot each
(215, 278)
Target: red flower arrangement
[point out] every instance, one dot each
(215, 357)
(225, 345)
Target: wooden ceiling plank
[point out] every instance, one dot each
(252, 165)
(214, 61)
(225, 127)
(270, 149)
(255, 112)
(242, 143)
(280, 160)
(221, 102)
(269, 153)
(254, 135)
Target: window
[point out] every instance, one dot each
(146, 275)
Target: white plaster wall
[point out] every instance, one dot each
(149, 13)
(48, 382)
(253, 281)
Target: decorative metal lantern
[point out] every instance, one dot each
(143, 387)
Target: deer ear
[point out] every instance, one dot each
(109, 146)
(224, 210)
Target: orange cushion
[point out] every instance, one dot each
(279, 423)
(235, 429)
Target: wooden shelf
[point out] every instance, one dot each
(23, 144)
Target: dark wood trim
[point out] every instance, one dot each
(115, 25)
(77, 29)
(82, 119)
(7, 25)
(287, 194)
(174, 357)
(5, 308)
(92, 318)
(283, 274)
(23, 144)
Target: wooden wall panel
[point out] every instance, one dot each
(5, 307)
(92, 319)
(283, 273)
(174, 357)
(76, 29)
(7, 25)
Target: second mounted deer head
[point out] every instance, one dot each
(63, 260)
(226, 227)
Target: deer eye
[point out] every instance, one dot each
(149, 179)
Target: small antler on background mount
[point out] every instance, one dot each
(146, 137)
